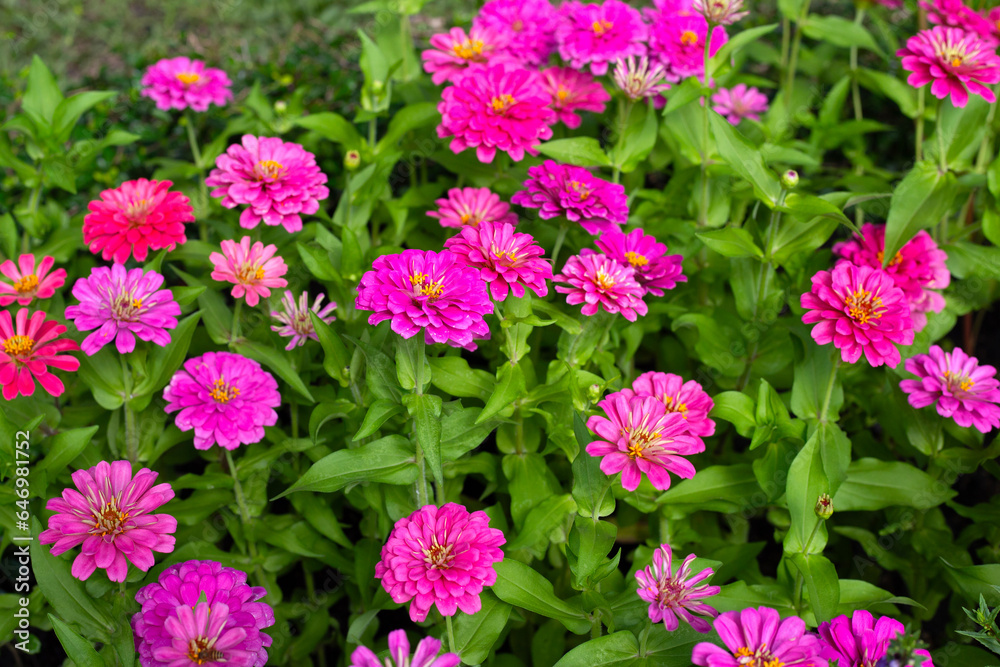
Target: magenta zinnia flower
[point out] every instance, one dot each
(134, 218)
(760, 637)
(111, 516)
(203, 636)
(573, 91)
(179, 83)
(500, 108)
(599, 281)
(860, 310)
(507, 260)
(277, 181)
(253, 269)
(677, 42)
(427, 290)
(640, 436)
(640, 78)
(739, 102)
(528, 26)
(673, 594)
(29, 282)
(226, 398)
(399, 654)
(953, 61)
(295, 320)
(858, 641)
(655, 270)
(958, 386)
(440, 556)
(955, 14)
(686, 398)
(27, 348)
(471, 206)
(596, 35)
(576, 194)
(454, 52)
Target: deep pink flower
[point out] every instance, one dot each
(134, 218)
(427, 290)
(955, 14)
(655, 270)
(29, 282)
(399, 654)
(27, 348)
(641, 78)
(925, 655)
(203, 637)
(860, 310)
(676, 594)
(739, 102)
(440, 556)
(640, 436)
(575, 194)
(277, 181)
(455, 51)
(953, 61)
(470, 206)
(677, 42)
(686, 398)
(573, 91)
(179, 83)
(253, 269)
(528, 25)
(596, 35)
(507, 260)
(599, 281)
(958, 386)
(858, 641)
(719, 12)
(760, 637)
(225, 398)
(295, 321)
(111, 516)
(500, 108)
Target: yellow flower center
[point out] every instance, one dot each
(470, 219)
(581, 190)
(187, 78)
(635, 259)
(26, 284)
(437, 556)
(200, 651)
(673, 405)
(250, 274)
(638, 440)
(469, 49)
(223, 392)
(896, 259)
(956, 62)
(501, 254)
(601, 27)
(110, 520)
(562, 94)
(136, 212)
(268, 170)
(689, 38)
(747, 658)
(862, 305)
(18, 346)
(518, 25)
(502, 103)
(125, 308)
(964, 382)
(604, 281)
(423, 287)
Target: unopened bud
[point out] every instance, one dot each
(281, 106)
(824, 507)
(790, 179)
(351, 160)
(594, 393)
(378, 86)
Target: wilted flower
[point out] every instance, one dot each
(720, 12)
(597, 35)
(528, 25)
(672, 595)
(471, 206)
(507, 261)
(858, 641)
(957, 385)
(27, 348)
(562, 190)
(760, 637)
(455, 51)
(399, 654)
(655, 270)
(640, 78)
(685, 398)
(597, 281)
(572, 91)
(179, 83)
(253, 269)
(296, 321)
(954, 62)
(739, 102)
(29, 282)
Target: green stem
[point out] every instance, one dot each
(703, 202)
(36, 195)
(829, 387)
(624, 111)
(859, 18)
(560, 237)
(347, 200)
(372, 132)
(451, 634)
(942, 154)
(793, 60)
(131, 433)
(920, 124)
(235, 333)
(406, 39)
(798, 576)
(423, 497)
(984, 146)
(786, 29)
(202, 188)
(193, 139)
(238, 490)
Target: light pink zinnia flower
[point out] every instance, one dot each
(677, 42)
(528, 25)
(953, 61)
(134, 218)
(575, 194)
(686, 398)
(29, 282)
(454, 52)
(507, 260)
(640, 79)
(760, 637)
(203, 636)
(739, 102)
(440, 556)
(399, 654)
(673, 594)
(573, 91)
(599, 281)
(179, 83)
(596, 35)
(471, 206)
(500, 108)
(27, 348)
(111, 516)
(655, 270)
(858, 641)
(860, 310)
(958, 386)
(720, 12)
(295, 320)
(253, 269)
(955, 14)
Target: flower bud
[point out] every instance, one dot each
(281, 106)
(594, 393)
(790, 179)
(824, 507)
(351, 160)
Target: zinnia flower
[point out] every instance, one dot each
(111, 517)
(858, 641)
(454, 52)
(179, 83)
(686, 398)
(399, 654)
(760, 637)
(500, 108)
(573, 91)
(955, 14)
(655, 270)
(673, 594)
(226, 398)
(277, 181)
(925, 656)
(677, 42)
(528, 25)
(640, 436)
(640, 78)
(419, 289)
(204, 636)
(739, 102)
(599, 281)
(134, 218)
(860, 310)
(506, 260)
(954, 62)
(440, 556)
(122, 304)
(576, 194)
(720, 12)
(957, 385)
(596, 35)
(29, 282)
(470, 206)
(253, 269)
(295, 320)
(27, 348)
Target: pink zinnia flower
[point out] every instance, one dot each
(955, 14)
(860, 310)
(597, 35)
(500, 108)
(399, 654)
(573, 91)
(686, 398)
(440, 556)
(672, 594)
(575, 194)
(953, 61)
(655, 270)
(29, 282)
(179, 83)
(471, 206)
(225, 398)
(640, 436)
(599, 281)
(427, 290)
(134, 218)
(454, 52)
(677, 42)
(739, 102)
(958, 386)
(122, 304)
(27, 348)
(507, 260)
(858, 641)
(719, 12)
(528, 26)
(762, 638)
(640, 78)
(295, 320)
(203, 636)
(918, 268)
(111, 516)
(277, 181)
(253, 269)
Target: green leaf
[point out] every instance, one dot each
(336, 359)
(745, 159)
(590, 483)
(378, 413)
(731, 242)
(388, 460)
(962, 131)
(620, 649)
(425, 409)
(542, 520)
(317, 261)
(81, 650)
(736, 408)
(373, 61)
(639, 138)
(407, 119)
(821, 585)
(735, 43)
(332, 126)
(69, 110)
(688, 91)
(276, 361)
(839, 31)
(809, 207)
(812, 382)
(903, 94)
(453, 376)
(509, 387)
(523, 587)
(579, 151)
(918, 202)
(42, 95)
(874, 485)
(380, 371)
(716, 488)
(66, 446)
(588, 547)
(806, 482)
(164, 361)
(476, 634)
(975, 580)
